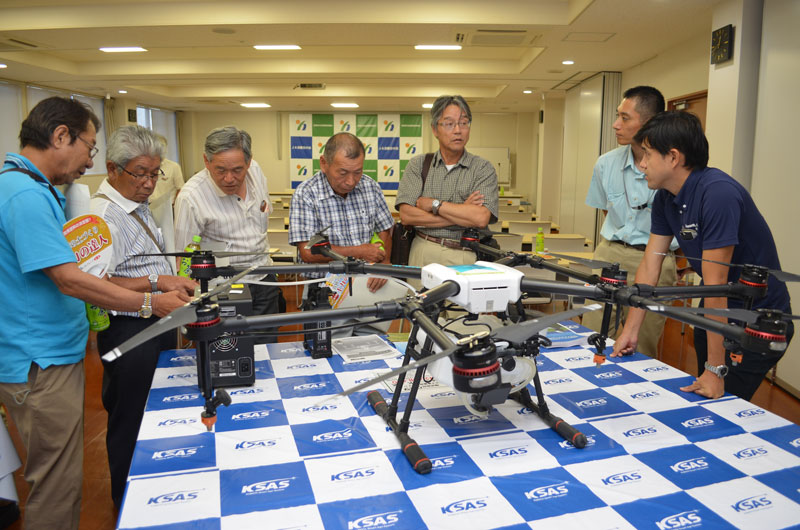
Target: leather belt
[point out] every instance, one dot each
(640, 248)
(449, 243)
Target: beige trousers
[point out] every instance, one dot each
(424, 252)
(629, 259)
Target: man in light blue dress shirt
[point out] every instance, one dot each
(619, 188)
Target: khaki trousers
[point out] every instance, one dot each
(424, 252)
(48, 413)
(629, 259)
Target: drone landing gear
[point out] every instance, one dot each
(203, 331)
(567, 431)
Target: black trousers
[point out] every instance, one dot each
(267, 300)
(126, 384)
(744, 379)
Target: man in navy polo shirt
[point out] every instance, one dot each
(714, 218)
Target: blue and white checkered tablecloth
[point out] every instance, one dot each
(282, 458)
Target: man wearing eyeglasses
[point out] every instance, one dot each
(133, 162)
(44, 327)
(619, 189)
(228, 203)
(460, 190)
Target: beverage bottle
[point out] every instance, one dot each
(376, 239)
(186, 263)
(98, 317)
(540, 240)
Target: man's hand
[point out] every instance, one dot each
(176, 283)
(625, 344)
(166, 303)
(373, 284)
(372, 252)
(425, 203)
(708, 384)
(475, 198)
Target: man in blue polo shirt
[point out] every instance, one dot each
(44, 327)
(714, 218)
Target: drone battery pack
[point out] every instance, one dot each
(232, 356)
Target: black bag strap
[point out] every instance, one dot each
(37, 178)
(426, 166)
(138, 220)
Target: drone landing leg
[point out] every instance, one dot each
(598, 340)
(567, 431)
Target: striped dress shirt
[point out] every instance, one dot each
(128, 239)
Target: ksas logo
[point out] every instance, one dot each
(181, 376)
(440, 395)
(702, 421)
(333, 436)
(352, 474)
(411, 426)
(378, 520)
(756, 502)
(368, 149)
(465, 505)
(411, 149)
(525, 411)
(577, 359)
(182, 452)
(640, 431)
(595, 402)
(388, 125)
(750, 452)
(267, 486)
(558, 381)
(301, 125)
(693, 464)
(176, 497)
(180, 397)
(471, 418)
(795, 443)
(362, 380)
(547, 492)
(566, 444)
(320, 408)
(302, 171)
(310, 386)
(622, 478)
(301, 366)
(507, 452)
(292, 349)
(680, 520)
(646, 395)
(388, 171)
(654, 369)
(251, 415)
(254, 444)
(246, 391)
(182, 358)
(749, 413)
(609, 375)
(178, 421)
(344, 126)
(443, 462)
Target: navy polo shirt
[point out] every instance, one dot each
(721, 213)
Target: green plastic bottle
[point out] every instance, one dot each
(98, 317)
(540, 240)
(186, 263)
(376, 239)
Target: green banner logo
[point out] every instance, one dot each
(344, 126)
(301, 125)
(302, 170)
(411, 149)
(388, 171)
(388, 126)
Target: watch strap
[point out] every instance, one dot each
(153, 278)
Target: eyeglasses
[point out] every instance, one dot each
(92, 148)
(153, 176)
(450, 125)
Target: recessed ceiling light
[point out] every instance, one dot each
(567, 62)
(123, 49)
(427, 105)
(527, 91)
(344, 105)
(277, 47)
(256, 105)
(437, 47)
(122, 91)
(3, 65)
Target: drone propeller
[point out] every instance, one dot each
(186, 314)
(515, 333)
(220, 254)
(591, 263)
(745, 315)
(779, 274)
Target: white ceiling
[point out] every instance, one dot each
(200, 53)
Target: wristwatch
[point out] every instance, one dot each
(153, 282)
(146, 311)
(720, 371)
(435, 205)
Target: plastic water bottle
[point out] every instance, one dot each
(98, 317)
(376, 239)
(540, 240)
(186, 263)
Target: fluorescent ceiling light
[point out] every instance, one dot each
(3, 65)
(344, 105)
(122, 91)
(437, 47)
(123, 49)
(256, 105)
(568, 62)
(277, 47)
(427, 105)
(527, 91)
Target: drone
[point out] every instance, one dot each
(483, 367)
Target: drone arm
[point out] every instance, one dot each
(334, 267)
(716, 274)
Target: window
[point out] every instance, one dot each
(163, 122)
(10, 117)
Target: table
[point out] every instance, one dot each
(281, 457)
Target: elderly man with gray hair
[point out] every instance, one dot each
(228, 203)
(133, 162)
(443, 193)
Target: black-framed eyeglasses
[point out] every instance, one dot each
(152, 176)
(450, 125)
(93, 150)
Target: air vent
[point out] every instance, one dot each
(460, 38)
(501, 37)
(310, 86)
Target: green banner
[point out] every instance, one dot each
(367, 126)
(411, 125)
(403, 164)
(322, 125)
(371, 169)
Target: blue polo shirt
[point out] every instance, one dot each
(722, 213)
(39, 324)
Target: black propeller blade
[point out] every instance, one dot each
(519, 333)
(591, 263)
(220, 254)
(745, 315)
(779, 274)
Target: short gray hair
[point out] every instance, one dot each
(227, 138)
(344, 141)
(132, 141)
(442, 102)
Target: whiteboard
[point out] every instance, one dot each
(500, 159)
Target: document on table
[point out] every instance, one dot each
(366, 348)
